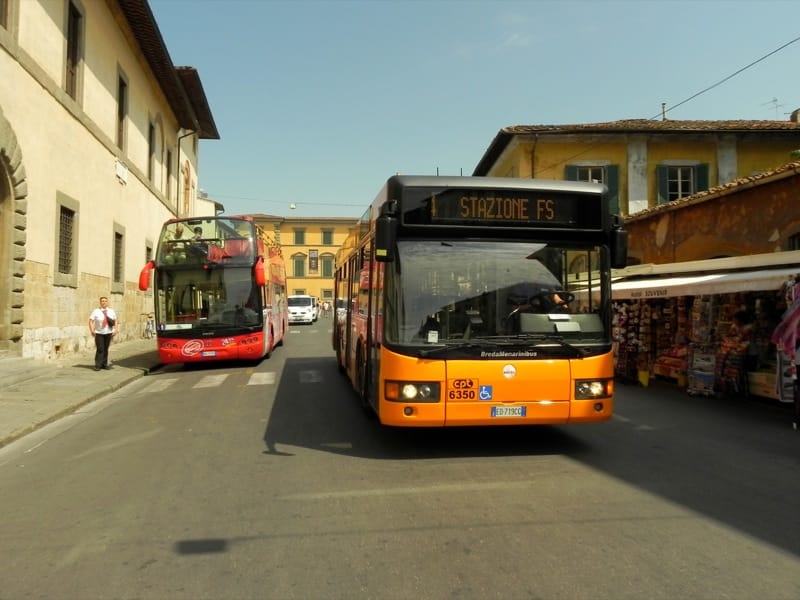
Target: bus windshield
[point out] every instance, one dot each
(442, 291)
(207, 299)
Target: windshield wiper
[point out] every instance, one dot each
(549, 340)
(450, 346)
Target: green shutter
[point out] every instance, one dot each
(662, 182)
(612, 183)
(571, 173)
(701, 177)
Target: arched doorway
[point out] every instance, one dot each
(13, 191)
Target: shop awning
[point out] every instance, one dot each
(706, 284)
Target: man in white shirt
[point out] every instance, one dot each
(103, 325)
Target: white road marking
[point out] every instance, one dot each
(210, 381)
(262, 379)
(159, 385)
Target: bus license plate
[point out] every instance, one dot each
(508, 411)
(208, 353)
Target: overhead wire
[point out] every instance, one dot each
(590, 147)
(721, 81)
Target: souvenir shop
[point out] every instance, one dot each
(713, 333)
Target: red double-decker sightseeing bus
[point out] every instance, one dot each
(219, 288)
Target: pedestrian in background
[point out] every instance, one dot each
(103, 325)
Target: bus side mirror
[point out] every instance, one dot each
(260, 275)
(619, 248)
(385, 238)
(144, 276)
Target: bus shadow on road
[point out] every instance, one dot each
(316, 408)
(734, 460)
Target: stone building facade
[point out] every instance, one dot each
(99, 139)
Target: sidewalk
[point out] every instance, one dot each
(35, 393)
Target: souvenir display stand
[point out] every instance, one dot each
(690, 340)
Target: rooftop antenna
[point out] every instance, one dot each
(775, 105)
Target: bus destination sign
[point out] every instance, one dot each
(508, 208)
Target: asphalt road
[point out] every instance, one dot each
(268, 481)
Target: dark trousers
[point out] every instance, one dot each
(101, 341)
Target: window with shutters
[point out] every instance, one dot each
(598, 173)
(327, 265)
(679, 181)
(299, 265)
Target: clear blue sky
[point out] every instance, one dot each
(319, 102)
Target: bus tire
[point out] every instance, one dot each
(269, 344)
(361, 376)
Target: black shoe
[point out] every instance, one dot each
(107, 367)
(97, 368)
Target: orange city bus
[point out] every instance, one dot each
(480, 301)
(219, 290)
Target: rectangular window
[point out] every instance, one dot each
(591, 174)
(327, 237)
(118, 261)
(679, 181)
(299, 263)
(299, 237)
(65, 271)
(122, 111)
(313, 261)
(151, 150)
(794, 242)
(74, 33)
(66, 235)
(117, 258)
(607, 174)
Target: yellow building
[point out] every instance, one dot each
(309, 247)
(644, 163)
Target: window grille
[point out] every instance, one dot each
(66, 236)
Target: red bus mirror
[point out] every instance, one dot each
(261, 277)
(144, 276)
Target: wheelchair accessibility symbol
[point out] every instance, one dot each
(485, 392)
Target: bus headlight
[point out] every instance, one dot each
(411, 391)
(586, 389)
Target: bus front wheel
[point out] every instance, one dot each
(363, 391)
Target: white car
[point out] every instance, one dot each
(302, 309)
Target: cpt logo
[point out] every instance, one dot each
(464, 384)
(462, 389)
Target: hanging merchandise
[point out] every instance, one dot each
(787, 339)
